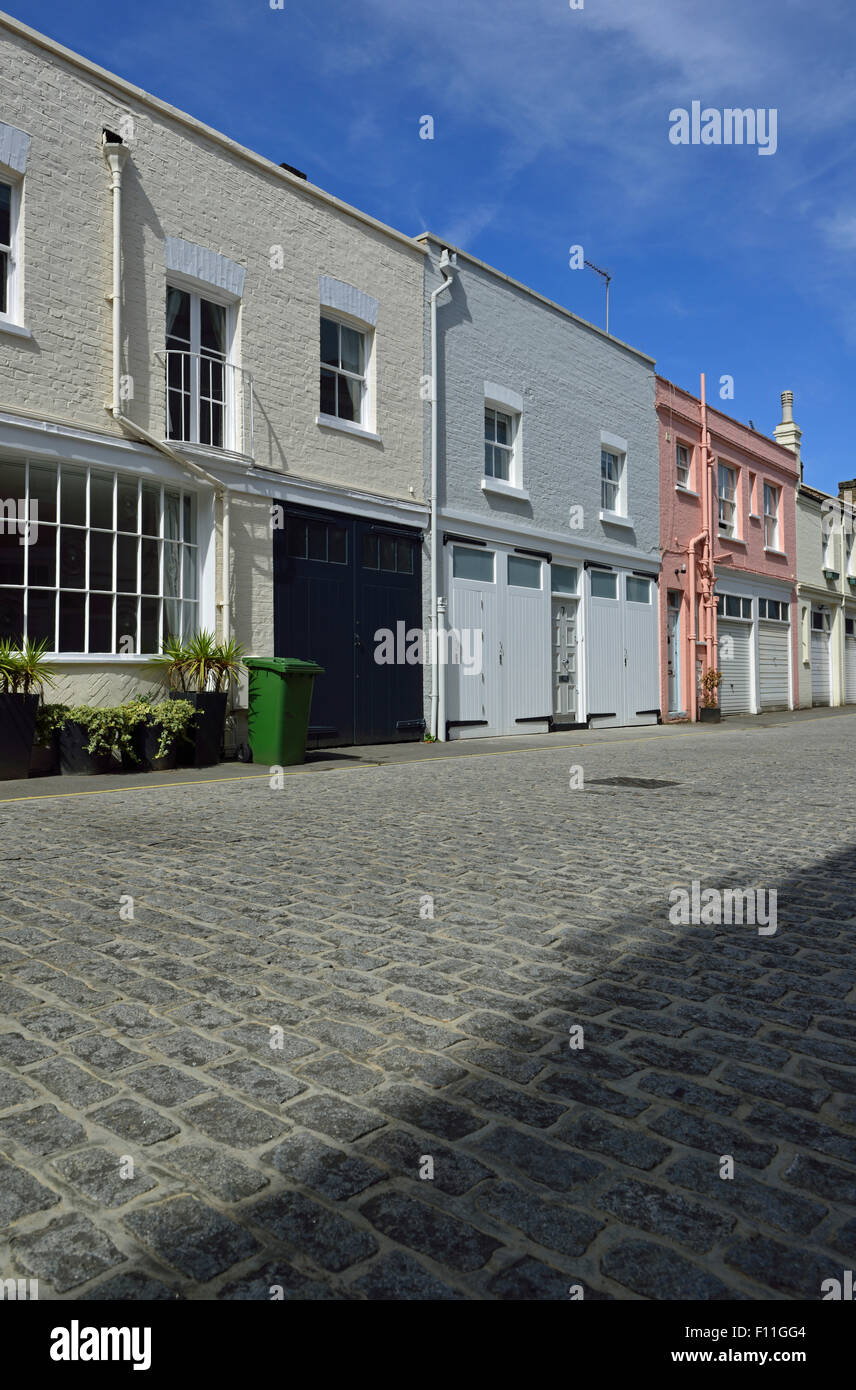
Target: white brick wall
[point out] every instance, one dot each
(180, 182)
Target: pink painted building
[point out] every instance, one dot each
(728, 543)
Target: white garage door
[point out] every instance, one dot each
(623, 648)
(774, 646)
(735, 663)
(820, 672)
(850, 663)
(500, 599)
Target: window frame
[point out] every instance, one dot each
(11, 315)
(197, 291)
(511, 450)
(190, 608)
(827, 541)
(724, 499)
(685, 483)
(460, 548)
(611, 452)
(367, 333)
(638, 579)
(771, 490)
(523, 562)
(744, 601)
(595, 573)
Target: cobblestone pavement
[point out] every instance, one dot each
(154, 1144)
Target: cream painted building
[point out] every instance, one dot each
(211, 391)
(826, 594)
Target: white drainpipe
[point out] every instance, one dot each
(438, 693)
(116, 155)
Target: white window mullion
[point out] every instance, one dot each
(26, 595)
(115, 561)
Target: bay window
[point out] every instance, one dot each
(109, 562)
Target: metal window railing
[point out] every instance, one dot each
(209, 401)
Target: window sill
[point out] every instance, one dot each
(754, 516)
(731, 540)
(101, 659)
(207, 453)
(503, 489)
(332, 422)
(616, 519)
(687, 491)
(16, 330)
(774, 550)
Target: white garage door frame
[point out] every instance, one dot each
(850, 659)
(513, 692)
(821, 657)
(622, 646)
(775, 653)
(737, 691)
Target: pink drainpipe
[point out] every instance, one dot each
(693, 635)
(704, 582)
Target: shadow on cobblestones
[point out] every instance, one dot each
(277, 1070)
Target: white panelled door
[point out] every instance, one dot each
(505, 597)
(821, 686)
(565, 692)
(622, 648)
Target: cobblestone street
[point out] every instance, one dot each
(241, 1085)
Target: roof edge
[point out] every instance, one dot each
(24, 31)
(426, 237)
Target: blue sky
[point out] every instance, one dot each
(551, 129)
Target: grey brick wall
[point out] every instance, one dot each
(574, 382)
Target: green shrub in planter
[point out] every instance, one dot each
(157, 730)
(90, 738)
(49, 721)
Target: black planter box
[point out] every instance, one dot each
(73, 757)
(709, 716)
(144, 741)
(17, 730)
(205, 746)
(45, 759)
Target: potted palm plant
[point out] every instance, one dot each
(710, 683)
(200, 670)
(24, 673)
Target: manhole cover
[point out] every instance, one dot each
(645, 783)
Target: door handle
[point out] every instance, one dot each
(500, 653)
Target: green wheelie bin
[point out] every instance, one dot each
(280, 696)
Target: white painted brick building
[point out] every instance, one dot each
(255, 257)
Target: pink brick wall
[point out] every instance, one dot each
(681, 519)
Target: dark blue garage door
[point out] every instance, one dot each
(337, 580)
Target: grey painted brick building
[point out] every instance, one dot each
(547, 505)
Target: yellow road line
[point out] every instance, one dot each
(430, 758)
